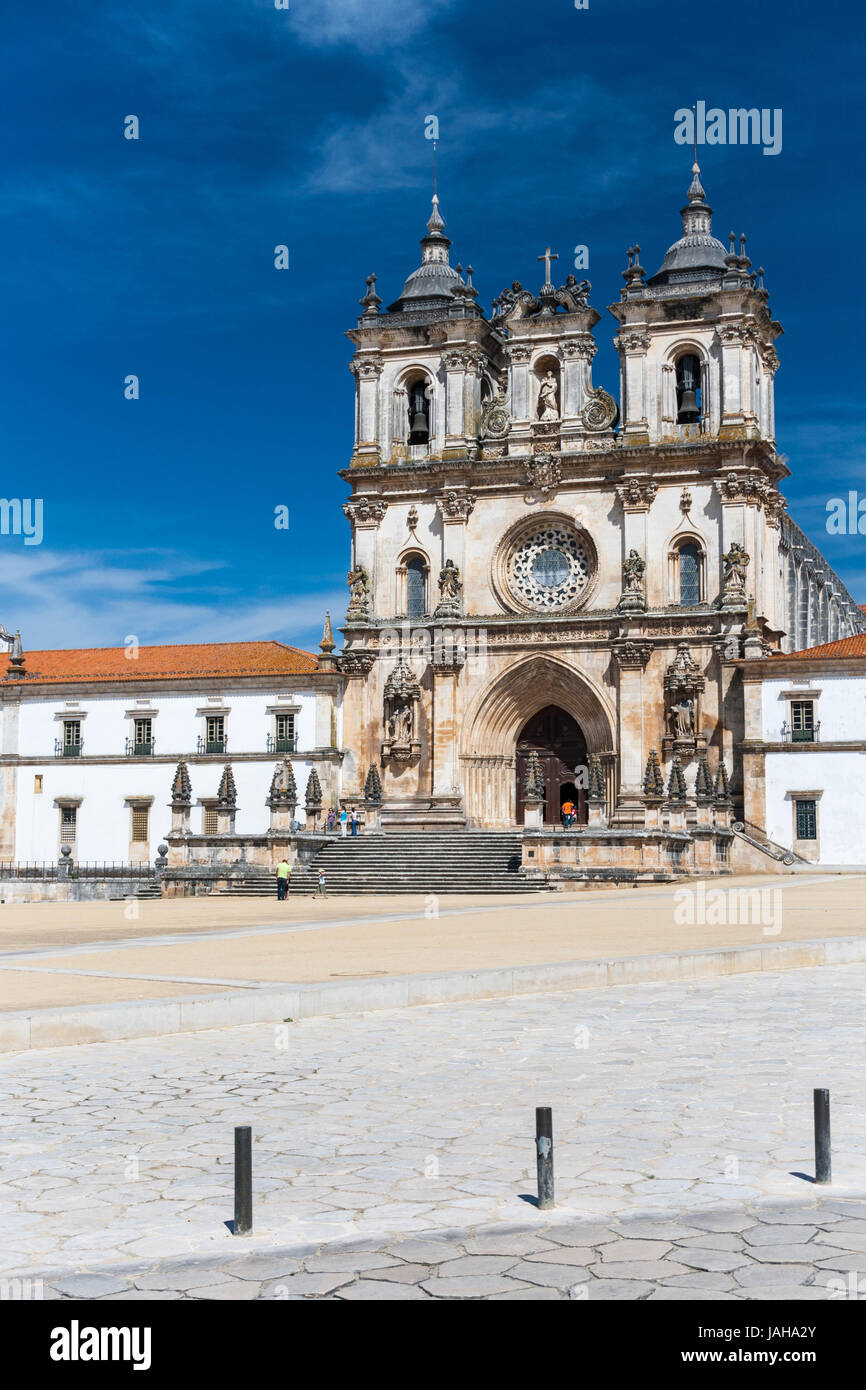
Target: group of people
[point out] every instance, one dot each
(344, 819)
(284, 880)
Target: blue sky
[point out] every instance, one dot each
(305, 127)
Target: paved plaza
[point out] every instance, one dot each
(64, 955)
(394, 1152)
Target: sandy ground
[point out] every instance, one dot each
(63, 954)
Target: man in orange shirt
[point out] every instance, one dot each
(568, 813)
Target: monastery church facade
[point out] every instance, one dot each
(552, 591)
(554, 573)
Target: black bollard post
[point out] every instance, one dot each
(544, 1151)
(822, 1136)
(243, 1180)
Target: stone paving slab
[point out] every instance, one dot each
(408, 1137)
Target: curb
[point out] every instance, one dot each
(123, 1020)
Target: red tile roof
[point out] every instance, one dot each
(846, 646)
(192, 662)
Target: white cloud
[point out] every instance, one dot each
(97, 599)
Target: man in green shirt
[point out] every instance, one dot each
(284, 874)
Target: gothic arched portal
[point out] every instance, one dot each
(558, 742)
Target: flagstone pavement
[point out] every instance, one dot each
(394, 1152)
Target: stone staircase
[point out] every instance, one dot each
(408, 862)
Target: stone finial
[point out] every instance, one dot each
(181, 787)
(533, 780)
(703, 783)
(653, 780)
(676, 784)
(373, 785)
(595, 789)
(227, 796)
(327, 644)
(283, 791)
(314, 789)
(721, 786)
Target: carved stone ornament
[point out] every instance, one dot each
(601, 411)
(358, 581)
(365, 511)
(455, 506)
(401, 699)
(367, 368)
(357, 663)
(495, 418)
(636, 495)
(683, 683)
(631, 655)
(544, 473)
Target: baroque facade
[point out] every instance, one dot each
(549, 586)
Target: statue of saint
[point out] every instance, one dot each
(633, 573)
(400, 724)
(547, 401)
(736, 563)
(450, 583)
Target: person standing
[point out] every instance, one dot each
(284, 872)
(321, 884)
(354, 822)
(344, 817)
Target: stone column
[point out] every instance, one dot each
(454, 363)
(635, 496)
(519, 398)
(633, 345)
(730, 337)
(455, 507)
(367, 371)
(365, 514)
(631, 657)
(447, 662)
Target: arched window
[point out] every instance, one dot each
(416, 587)
(687, 572)
(419, 411)
(688, 389)
(690, 575)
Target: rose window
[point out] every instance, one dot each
(549, 568)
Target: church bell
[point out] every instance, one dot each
(688, 410)
(418, 433)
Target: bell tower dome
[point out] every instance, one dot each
(696, 340)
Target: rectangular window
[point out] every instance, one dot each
(209, 820)
(139, 822)
(215, 733)
(807, 820)
(68, 824)
(37, 784)
(285, 733)
(802, 721)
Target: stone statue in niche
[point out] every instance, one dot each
(547, 398)
(400, 724)
(682, 719)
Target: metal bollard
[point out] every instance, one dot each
(243, 1222)
(544, 1151)
(822, 1136)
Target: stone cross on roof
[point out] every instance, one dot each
(547, 258)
